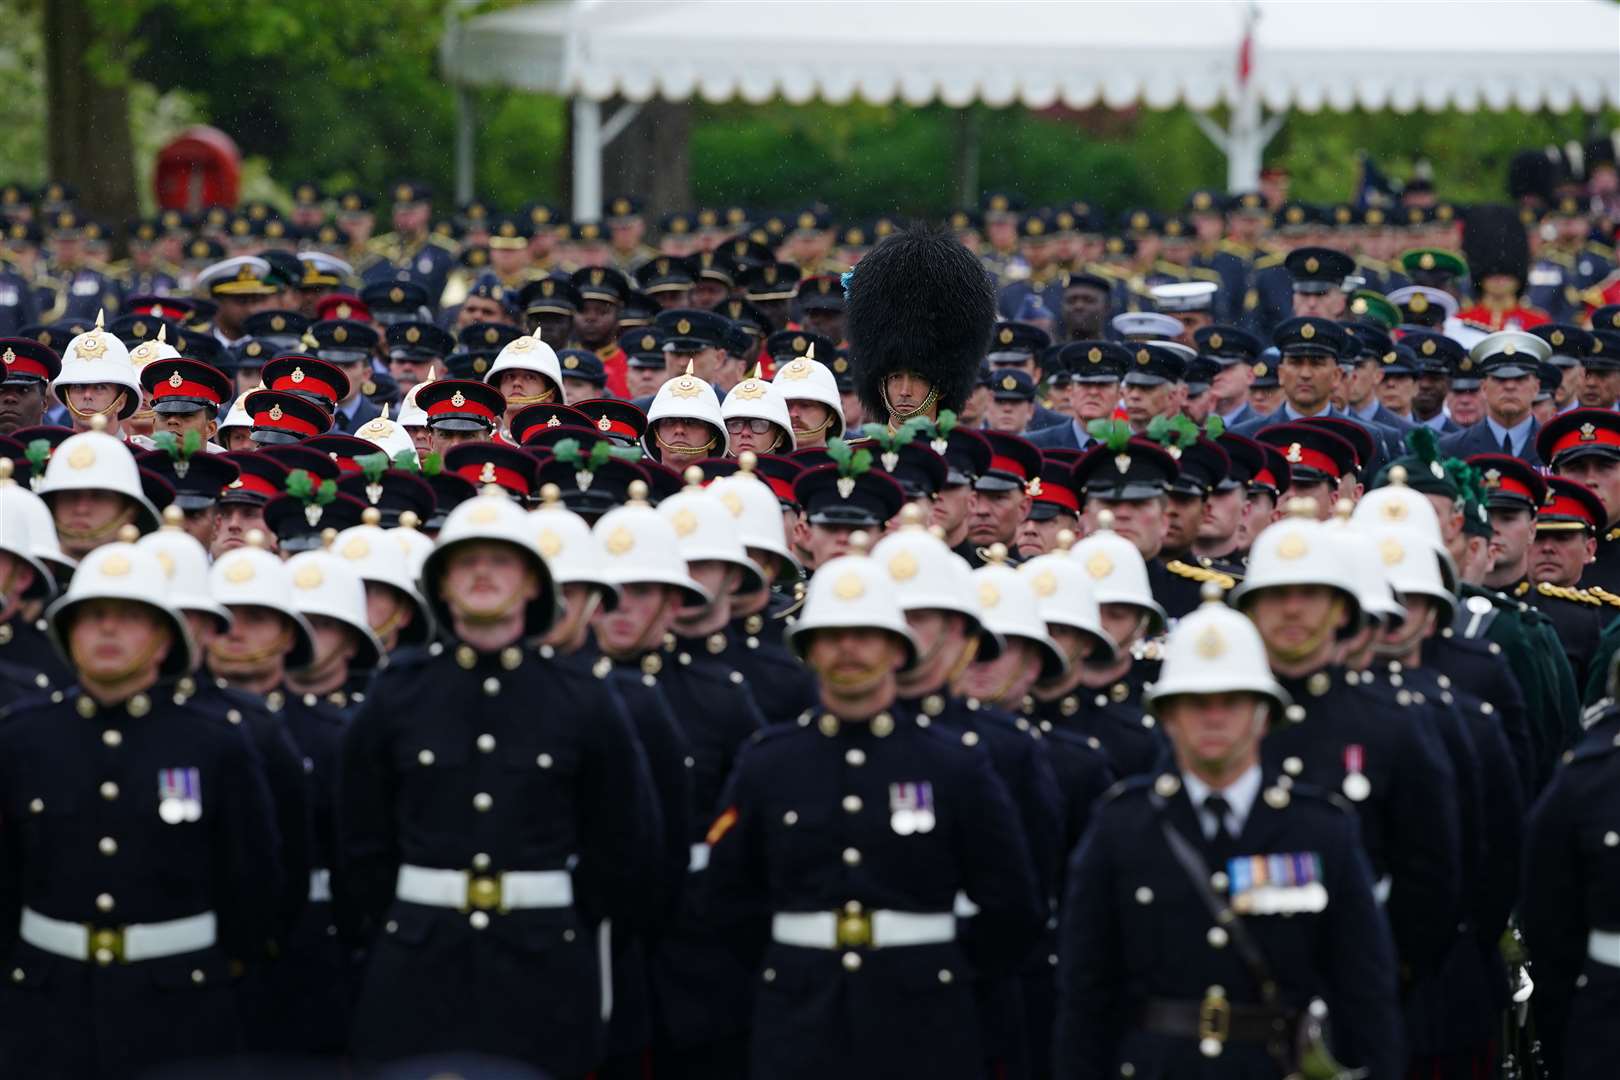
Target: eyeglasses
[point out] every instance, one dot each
(738, 424)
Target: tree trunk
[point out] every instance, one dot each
(87, 121)
(651, 158)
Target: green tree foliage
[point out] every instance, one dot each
(349, 92)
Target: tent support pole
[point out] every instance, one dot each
(466, 135)
(618, 122)
(587, 159)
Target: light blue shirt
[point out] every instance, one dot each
(1519, 432)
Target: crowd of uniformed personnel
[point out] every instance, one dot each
(1007, 648)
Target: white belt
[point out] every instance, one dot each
(126, 944)
(699, 859)
(876, 930)
(320, 886)
(498, 892)
(1604, 947)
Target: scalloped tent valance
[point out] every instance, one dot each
(1308, 54)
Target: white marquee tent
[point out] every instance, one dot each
(1265, 56)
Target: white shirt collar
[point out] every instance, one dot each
(1239, 794)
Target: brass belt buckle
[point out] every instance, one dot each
(854, 927)
(1214, 1022)
(106, 946)
(484, 893)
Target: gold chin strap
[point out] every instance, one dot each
(117, 403)
(484, 618)
(897, 417)
(100, 532)
(805, 433)
(865, 679)
(1323, 632)
(545, 397)
(1014, 673)
(970, 653)
(138, 664)
(704, 449)
(314, 673)
(219, 651)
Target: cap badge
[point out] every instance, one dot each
(604, 424)
(685, 522)
(1260, 368)
(308, 577)
(1556, 337)
(850, 587)
(649, 342)
(1215, 341)
(298, 375)
(799, 369)
(1211, 644)
(1122, 462)
(1293, 454)
(1292, 547)
(683, 327)
(1359, 305)
(396, 295)
(458, 399)
(340, 334)
(687, 386)
(554, 420)
(239, 571)
(1312, 264)
(1307, 331)
(176, 381)
(1426, 261)
(571, 362)
(1006, 335)
(521, 344)
(1467, 364)
(1493, 478)
(1099, 565)
(846, 486)
(890, 459)
(1419, 303)
(1143, 356)
(620, 541)
(344, 311)
(549, 543)
(989, 595)
(8, 358)
(275, 412)
(91, 346)
(1509, 349)
(1095, 355)
(1588, 433)
(903, 567)
(750, 389)
(116, 566)
(1009, 383)
(1428, 348)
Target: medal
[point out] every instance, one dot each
(911, 808)
(179, 795)
(1356, 786)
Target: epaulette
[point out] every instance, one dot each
(1251, 299)
(1602, 251)
(1376, 265)
(1105, 270)
(1202, 273)
(1612, 534)
(1521, 588)
(1266, 262)
(115, 268)
(1603, 595)
(1232, 247)
(444, 242)
(1566, 259)
(1201, 574)
(1165, 266)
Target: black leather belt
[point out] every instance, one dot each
(1240, 1023)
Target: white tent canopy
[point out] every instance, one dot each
(1304, 54)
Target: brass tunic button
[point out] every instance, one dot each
(852, 857)
(492, 686)
(466, 658)
(486, 743)
(483, 801)
(478, 920)
(109, 790)
(107, 845)
(424, 757)
(112, 737)
(852, 961)
(852, 805)
(104, 902)
(544, 761)
(855, 756)
(480, 861)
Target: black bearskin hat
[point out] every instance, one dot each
(919, 302)
(1531, 174)
(1494, 243)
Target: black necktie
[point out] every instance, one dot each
(1217, 807)
(1507, 444)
